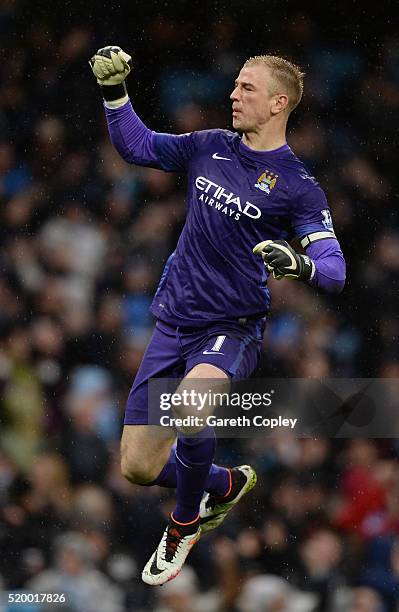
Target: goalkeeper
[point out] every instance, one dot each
(248, 195)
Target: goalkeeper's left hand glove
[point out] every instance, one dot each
(281, 259)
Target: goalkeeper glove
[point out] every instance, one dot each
(281, 259)
(111, 66)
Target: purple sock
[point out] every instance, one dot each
(217, 481)
(167, 476)
(194, 456)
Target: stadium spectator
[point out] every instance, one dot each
(73, 574)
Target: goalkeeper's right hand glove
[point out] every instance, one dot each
(111, 66)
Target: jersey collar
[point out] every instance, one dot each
(261, 156)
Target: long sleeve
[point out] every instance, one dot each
(139, 145)
(313, 225)
(130, 137)
(330, 265)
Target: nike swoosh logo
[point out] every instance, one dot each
(154, 570)
(212, 353)
(216, 156)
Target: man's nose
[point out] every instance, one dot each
(234, 94)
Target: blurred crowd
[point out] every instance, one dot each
(84, 238)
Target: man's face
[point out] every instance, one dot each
(254, 98)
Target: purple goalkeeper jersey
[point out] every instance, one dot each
(236, 197)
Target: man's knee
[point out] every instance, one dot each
(142, 460)
(136, 471)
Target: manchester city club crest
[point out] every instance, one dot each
(267, 181)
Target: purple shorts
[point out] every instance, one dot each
(173, 351)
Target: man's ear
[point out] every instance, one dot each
(280, 103)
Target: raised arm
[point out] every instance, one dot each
(134, 142)
(130, 137)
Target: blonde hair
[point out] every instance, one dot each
(285, 74)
